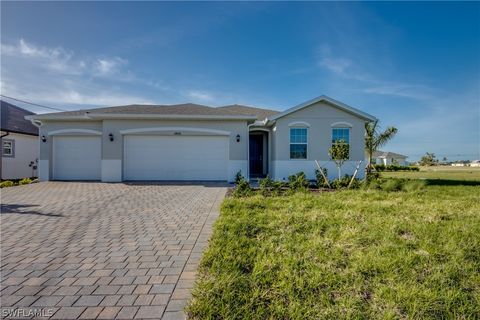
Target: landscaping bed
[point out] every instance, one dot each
(17, 182)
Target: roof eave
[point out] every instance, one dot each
(170, 116)
(101, 116)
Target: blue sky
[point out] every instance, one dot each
(415, 66)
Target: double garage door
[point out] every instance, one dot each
(145, 157)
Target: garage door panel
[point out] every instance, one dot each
(176, 157)
(77, 158)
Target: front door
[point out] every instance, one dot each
(256, 155)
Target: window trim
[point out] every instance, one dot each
(12, 148)
(297, 143)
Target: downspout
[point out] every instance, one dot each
(1, 160)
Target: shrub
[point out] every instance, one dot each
(372, 175)
(298, 182)
(238, 177)
(242, 187)
(320, 180)
(6, 184)
(25, 181)
(394, 167)
(277, 188)
(392, 185)
(343, 182)
(266, 186)
(414, 185)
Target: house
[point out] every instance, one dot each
(475, 163)
(19, 139)
(458, 164)
(196, 142)
(387, 158)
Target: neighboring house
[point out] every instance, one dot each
(475, 163)
(387, 158)
(195, 142)
(19, 139)
(458, 164)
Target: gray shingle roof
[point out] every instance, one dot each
(176, 109)
(246, 110)
(387, 154)
(13, 119)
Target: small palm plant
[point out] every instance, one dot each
(374, 139)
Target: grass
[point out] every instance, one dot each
(440, 173)
(349, 254)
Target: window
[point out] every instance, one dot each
(8, 148)
(341, 134)
(298, 143)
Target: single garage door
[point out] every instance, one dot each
(77, 157)
(156, 157)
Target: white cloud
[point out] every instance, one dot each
(109, 66)
(56, 76)
(418, 92)
(200, 96)
(53, 59)
(336, 65)
(348, 69)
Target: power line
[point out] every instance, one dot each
(33, 104)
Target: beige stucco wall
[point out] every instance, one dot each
(50, 126)
(25, 150)
(112, 151)
(320, 116)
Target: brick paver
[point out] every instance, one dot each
(86, 250)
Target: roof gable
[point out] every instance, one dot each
(387, 154)
(13, 119)
(337, 104)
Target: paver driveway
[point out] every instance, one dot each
(97, 250)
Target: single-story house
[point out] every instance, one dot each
(19, 139)
(196, 142)
(475, 163)
(387, 158)
(459, 164)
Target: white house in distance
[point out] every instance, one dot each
(475, 163)
(196, 142)
(387, 158)
(19, 139)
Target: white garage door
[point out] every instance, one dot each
(155, 157)
(77, 157)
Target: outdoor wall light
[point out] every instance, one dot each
(110, 135)
(44, 139)
(238, 138)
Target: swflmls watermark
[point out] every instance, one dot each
(13, 313)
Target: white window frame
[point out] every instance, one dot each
(349, 134)
(12, 148)
(300, 143)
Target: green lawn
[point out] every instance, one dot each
(438, 172)
(348, 254)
